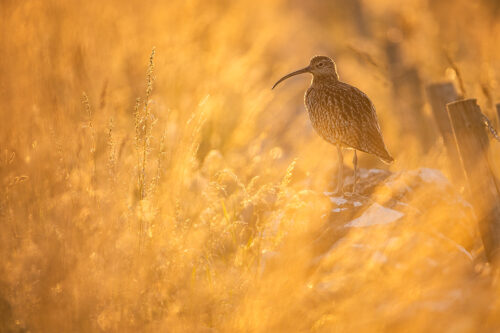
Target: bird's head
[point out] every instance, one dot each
(319, 66)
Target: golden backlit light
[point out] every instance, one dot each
(151, 180)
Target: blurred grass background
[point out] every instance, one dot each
(146, 192)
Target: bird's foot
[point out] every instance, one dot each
(356, 196)
(339, 191)
(350, 194)
(353, 193)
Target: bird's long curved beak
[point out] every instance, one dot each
(300, 71)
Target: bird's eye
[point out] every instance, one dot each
(320, 64)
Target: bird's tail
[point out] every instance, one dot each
(386, 157)
(388, 160)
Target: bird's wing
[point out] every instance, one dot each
(358, 116)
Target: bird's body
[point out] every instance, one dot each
(341, 114)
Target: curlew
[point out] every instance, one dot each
(341, 114)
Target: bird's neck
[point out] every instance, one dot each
(319, 80)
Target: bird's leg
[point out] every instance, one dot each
(340, 180)
(355, 164)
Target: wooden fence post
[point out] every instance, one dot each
(472, 143)
(498, 113)
(440, 94)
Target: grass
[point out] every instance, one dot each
(180, 193)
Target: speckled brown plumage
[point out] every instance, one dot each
(342, 114)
